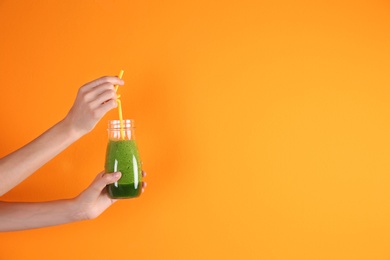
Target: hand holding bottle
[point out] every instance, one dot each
(88, 205)
(94, 200)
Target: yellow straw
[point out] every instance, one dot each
(121, 119)
(120, 76)
(122, 131)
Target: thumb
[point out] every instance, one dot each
(104, 179)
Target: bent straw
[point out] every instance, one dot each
(119, 76)
(122, 131)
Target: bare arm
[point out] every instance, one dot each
(93, 101)
(20, 216)
(20, 164)
(89, 204)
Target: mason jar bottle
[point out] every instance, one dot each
(122, 156)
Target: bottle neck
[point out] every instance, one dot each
(118, 131)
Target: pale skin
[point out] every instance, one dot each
(93, 101)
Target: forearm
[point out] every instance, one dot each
(20, 164)
(20, 216)
(93, 101)
(88, 205)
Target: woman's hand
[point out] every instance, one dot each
(88, 205)
(95, 200)
(93, 101)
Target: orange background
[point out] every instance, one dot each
(263, 125)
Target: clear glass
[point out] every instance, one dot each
(122, 156)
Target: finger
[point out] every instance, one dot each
(105, 96)
(95, 92)
(102, 180)
(143, 174)
(104, 108)
(106, 79)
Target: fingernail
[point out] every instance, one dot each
(116, 174)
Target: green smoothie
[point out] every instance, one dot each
(122, 156)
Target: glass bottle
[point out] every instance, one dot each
(122, 156)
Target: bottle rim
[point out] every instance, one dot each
(115, 124)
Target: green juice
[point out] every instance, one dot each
(122, 156)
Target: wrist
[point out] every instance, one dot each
(71, 131)
(76, 211)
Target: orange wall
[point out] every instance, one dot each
(263, 125)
